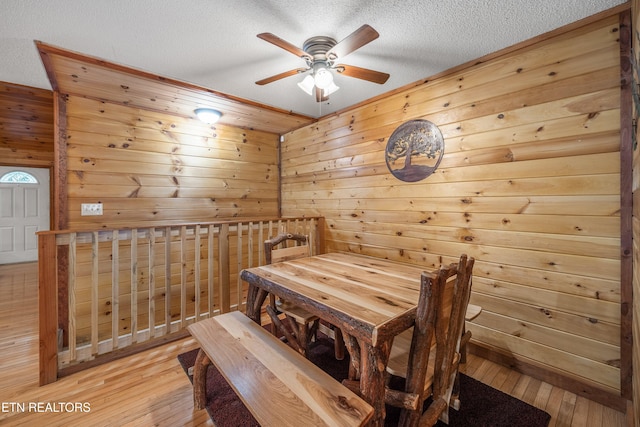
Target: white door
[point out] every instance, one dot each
(24, 210)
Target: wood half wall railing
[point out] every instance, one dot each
(103, 291)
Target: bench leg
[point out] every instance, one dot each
(200, 380)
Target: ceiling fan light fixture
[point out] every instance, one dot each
(332, 88)
(307, 84)
(323, 78)
(320, 54)
(208, 115)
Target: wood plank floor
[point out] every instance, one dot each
(150, 388)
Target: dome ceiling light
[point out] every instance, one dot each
(208, 115)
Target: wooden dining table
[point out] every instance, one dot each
(370, 299)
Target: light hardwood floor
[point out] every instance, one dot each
(150, 388)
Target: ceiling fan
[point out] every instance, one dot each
(321, 53)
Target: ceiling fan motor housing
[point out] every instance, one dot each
(318, 47)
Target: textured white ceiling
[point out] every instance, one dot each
(213, 43)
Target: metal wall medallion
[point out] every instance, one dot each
(414, 150)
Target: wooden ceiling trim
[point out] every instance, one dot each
(136, 92)
(77, 74)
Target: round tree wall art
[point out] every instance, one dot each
(414, 150)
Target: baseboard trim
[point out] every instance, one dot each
(588, 391)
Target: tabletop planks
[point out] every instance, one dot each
(364, 292)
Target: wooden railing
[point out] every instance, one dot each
(107, 290)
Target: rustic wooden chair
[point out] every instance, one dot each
(301, 325)
(472, 312)
(430, 365)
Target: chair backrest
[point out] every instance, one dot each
(292, 246)
(444, 296)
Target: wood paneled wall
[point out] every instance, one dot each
(529, 185)
(153, 168)
(635, 409)
(26, 126)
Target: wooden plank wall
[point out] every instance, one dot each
(529, 185)
(154, 168)
(635, 409)
(26, 126)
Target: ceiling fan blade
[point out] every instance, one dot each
(353, 41)
(281, 76)
(362, 73)
(273, 39)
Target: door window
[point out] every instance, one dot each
(18, 177)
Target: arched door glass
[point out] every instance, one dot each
(18, 177)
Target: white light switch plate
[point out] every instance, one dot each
(91, 209)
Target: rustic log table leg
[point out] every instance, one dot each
(252, 292)
(353, 348)
(200, 380)
(372, 378)
(255, 299)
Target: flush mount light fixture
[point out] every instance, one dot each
(208, 115)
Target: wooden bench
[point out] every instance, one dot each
(277, 384)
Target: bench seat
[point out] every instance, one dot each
(278, 385)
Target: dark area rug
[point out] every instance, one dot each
(482, 406)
